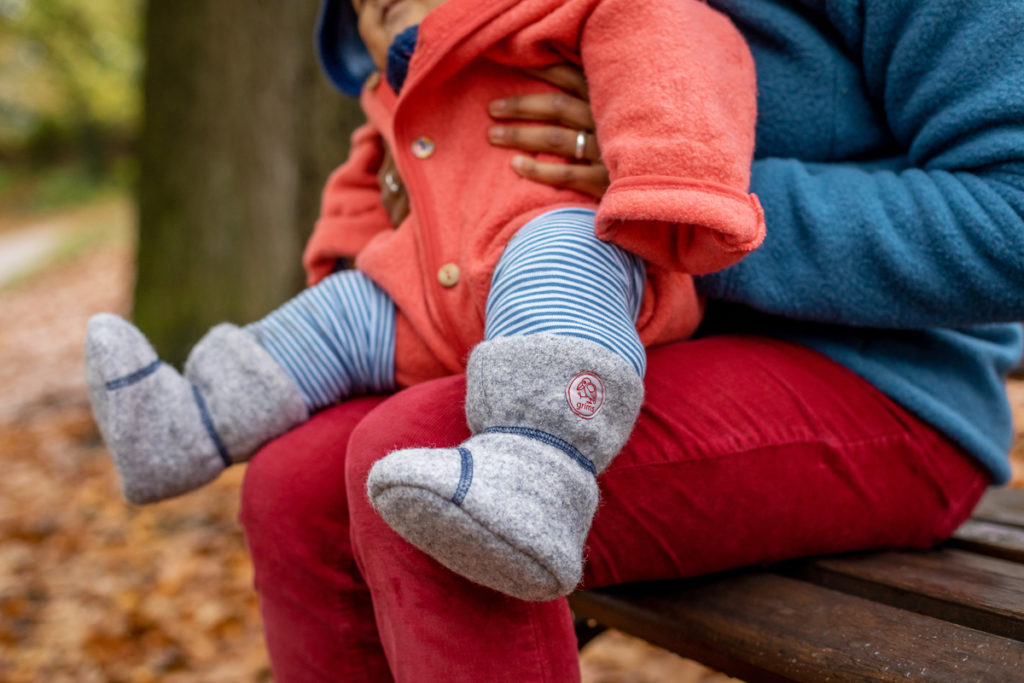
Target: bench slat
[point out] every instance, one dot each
(767, 627)
(980, 592)
(1002, 506)
(988, 538)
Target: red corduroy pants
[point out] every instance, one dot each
(748, 450)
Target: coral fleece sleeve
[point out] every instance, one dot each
(351, 212)
(678, 195)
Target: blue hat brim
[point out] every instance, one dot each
(343, 55)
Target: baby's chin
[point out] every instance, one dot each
(402, 16)
(380, 56)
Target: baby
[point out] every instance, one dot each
(551, 296)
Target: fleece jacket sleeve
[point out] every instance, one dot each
(937, 242)
(351, 212)
(672, 86)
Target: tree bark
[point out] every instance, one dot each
(240, 132)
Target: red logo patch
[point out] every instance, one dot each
(585, 394)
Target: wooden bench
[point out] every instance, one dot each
(955, 613)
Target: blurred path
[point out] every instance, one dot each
(23, 249)
(27, 246)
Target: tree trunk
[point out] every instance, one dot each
(240, 132)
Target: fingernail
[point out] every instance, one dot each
(497, 133)
(499, 106)
(518, 162)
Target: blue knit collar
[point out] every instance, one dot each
(399, 56)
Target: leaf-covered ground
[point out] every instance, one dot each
(92, 589)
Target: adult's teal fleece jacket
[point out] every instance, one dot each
(890, 164)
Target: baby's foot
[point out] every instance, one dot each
(149, 415)
(505, 510)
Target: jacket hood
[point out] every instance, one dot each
(342, 54)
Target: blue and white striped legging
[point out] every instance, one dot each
(337, 338)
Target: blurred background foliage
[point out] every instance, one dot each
(211, 119)
(69, 98)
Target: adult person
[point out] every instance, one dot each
(846, 390)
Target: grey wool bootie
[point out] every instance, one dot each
(170, 434)
(510, 508)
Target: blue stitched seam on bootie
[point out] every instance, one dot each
(549, 439)
(204, 415)
(466, 478)
(137, 376)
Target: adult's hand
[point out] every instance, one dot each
(567, 131)
(393, 194)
